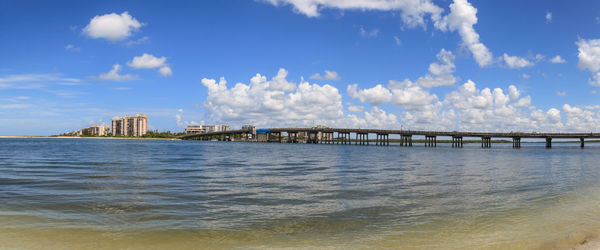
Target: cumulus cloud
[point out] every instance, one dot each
(589, 58)
(266, 102)
(329, 75)
(561, 93)
(515, 62)
(148, 61)
(374, 96)
(353, 108)
(413, 12)
(112, 27)
(548, 17)
(557, 59)
(467, 108)
(462, 18)
(440, 72)
(410, 96)
(113, 74)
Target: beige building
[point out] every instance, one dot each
(96, 130)
(130, 125)
(194, 129)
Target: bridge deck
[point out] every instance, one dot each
(406, 132)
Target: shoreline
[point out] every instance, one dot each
(77, 137)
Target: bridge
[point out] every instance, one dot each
(361, 136)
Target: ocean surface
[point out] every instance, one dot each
(145, 194)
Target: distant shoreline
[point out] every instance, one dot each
(90, 137)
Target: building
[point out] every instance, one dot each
(194, 129)
(96, 130)
(201, 129)
(215, 128)
(130, 125)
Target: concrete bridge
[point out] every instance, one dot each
(361, 136)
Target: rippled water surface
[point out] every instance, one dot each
(102, 193)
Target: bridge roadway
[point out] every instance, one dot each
(326, 135)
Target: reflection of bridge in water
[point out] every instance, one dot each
(361, 136)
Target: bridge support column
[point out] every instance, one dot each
(430, 141)
(548, 142)
(582, 140)
(406, 140)
(457, 142)
(516, 142)
(486, 142)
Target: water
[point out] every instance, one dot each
(102, 193)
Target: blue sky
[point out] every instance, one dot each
(448, 65)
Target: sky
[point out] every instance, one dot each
(462, 65)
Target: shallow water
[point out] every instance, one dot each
(102, 193)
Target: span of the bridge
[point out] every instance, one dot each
(361, 136)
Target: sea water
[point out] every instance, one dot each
(140, 194)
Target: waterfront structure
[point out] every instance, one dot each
(130, 125)
(200, 129)
(215, 128)
(344, 136)
(194, 129)
(96, 130)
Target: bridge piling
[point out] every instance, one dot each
(548, 142)
(582, 140)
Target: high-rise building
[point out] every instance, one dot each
(130, 125)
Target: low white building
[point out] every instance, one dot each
(200, 129)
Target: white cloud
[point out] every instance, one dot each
(557, 59)
(71, 47)
(374, 96)
(265, 103)
(513, 92)
(353, 108)
(368, 33)
(462, 18)
(410, 96)
(440, 72)
(329, 75)
(589, 58)
(561, 93)
(277, 83)
(148, 61)
(113, 74)
(548, 17)
(112, 27)
(397, 41)
(33, 81)
(525, 76)
(515, 62)
(165, 71)
(180, 122)
(412, 12)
